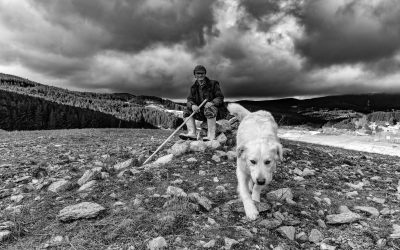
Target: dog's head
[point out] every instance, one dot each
(260, 157)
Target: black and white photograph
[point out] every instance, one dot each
(200, 124)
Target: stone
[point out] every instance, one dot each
(287, 231)
(308, 172)
(302, 237)
(343, 218)
(280, 194)
(157, 243)
(60, 186)
(229, 242)
(324, 246)
(315, 236)
(164, 159)
(344, 209)
(243, 231)
(192, 159)
(358, 186)
(89, 175)
(201, 200)
(321, 223)
(123, 165)
(209, 244)
(213, 144)
(179, 148)
(215, 158)
(4, 235)
(82, 210)
(224, 126)
(270, 223)
(5, 193)
(370, 210)
(198, 146)
(327, 201)
(222, 138)
(17, 198)
(297, 171)
(7, 225)
(87, 186)
(231, 155)
(175, 191)
(379, 200)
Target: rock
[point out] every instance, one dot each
(280, 194)
(344, 209)
(201, 200)
(324, 246)
(351, 194)
(82, 210)
(179, 148)
(243, 232)
(198, 146)
(358, 186)
(327, 201)
(308, 172)
(216, 158)
(87, 186)
(54, 242)
(287, 231)
(270, 223)
(297, 171)
(5, 193)
(60, 186)
(192, 159)
(215, 179)
(342, 218)
(157, 243)
(379, 200)
(224, 126)
(213, 144)
(202, 173)
(209, 244)
(222, 138)
(387, 211)
(231, 155)
(89, 175)
(221, 189)
(302, 237)
(381, 243)
(17, 198)
(321, 223)
(4, 235)
(123, 165)
(396, 232)
(164, 159)
(229, 242)
(315, 236)
(370, 210)
(298, 178)
(7, 225)
(175, 191)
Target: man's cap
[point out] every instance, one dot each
(199, 68)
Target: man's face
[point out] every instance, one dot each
(199, 75)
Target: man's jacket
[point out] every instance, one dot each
(210, 91)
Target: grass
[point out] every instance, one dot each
(147, 212)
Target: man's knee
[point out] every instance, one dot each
(210, 112)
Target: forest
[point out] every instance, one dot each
(26, 104)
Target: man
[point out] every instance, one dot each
(203, 89)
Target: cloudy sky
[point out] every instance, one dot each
(254, 48)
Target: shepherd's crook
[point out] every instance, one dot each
(144, 163)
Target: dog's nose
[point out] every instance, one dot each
(260, 181)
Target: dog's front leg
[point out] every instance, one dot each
(244, 193)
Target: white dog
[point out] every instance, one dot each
(258, 150)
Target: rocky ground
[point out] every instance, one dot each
(86, 189)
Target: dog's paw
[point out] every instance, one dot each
(251, 213)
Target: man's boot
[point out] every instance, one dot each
(191, 130)
(211, 127)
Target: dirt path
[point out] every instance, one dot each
(352, 142)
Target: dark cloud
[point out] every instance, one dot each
(356, 31)
(135, 25)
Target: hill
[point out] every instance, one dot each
(141, 204)
(121, 106)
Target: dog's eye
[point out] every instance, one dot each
(253, 162)
(267, 162)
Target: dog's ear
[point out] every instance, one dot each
(279, 152)
(239, 151)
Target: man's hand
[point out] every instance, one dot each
(195, 108)
(208, 104)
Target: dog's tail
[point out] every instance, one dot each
(237, 110)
